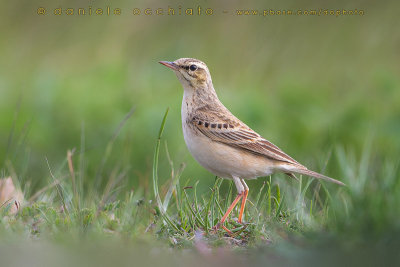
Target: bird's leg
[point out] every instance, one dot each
(241, 191)
(231, 207)
(245, 193)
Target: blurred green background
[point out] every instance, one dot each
(309, 84)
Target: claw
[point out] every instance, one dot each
(227, 230)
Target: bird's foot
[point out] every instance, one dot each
(221, 225)
(227, 230)
(216, 227)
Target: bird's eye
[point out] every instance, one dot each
(193, 67)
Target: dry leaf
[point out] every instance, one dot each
(9, 194)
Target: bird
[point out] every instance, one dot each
(222, 143)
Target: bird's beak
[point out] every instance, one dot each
(170, 65)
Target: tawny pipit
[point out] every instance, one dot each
(222, 143)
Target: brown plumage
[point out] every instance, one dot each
(222, 143)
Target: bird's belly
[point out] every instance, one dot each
(223, 160)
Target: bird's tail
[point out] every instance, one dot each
(317, 175)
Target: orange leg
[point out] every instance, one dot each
(227, 230)
(238, 197)
(246, 192)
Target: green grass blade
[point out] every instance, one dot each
(194, 214)
(155, 163)
(155, 174)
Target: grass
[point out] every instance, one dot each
(285, 219)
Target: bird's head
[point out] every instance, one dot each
(192, 73)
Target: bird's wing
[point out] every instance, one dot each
(232, 132)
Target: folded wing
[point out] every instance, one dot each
(239, 135)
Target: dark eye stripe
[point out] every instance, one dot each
(191, 67)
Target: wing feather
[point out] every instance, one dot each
(240, 136)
